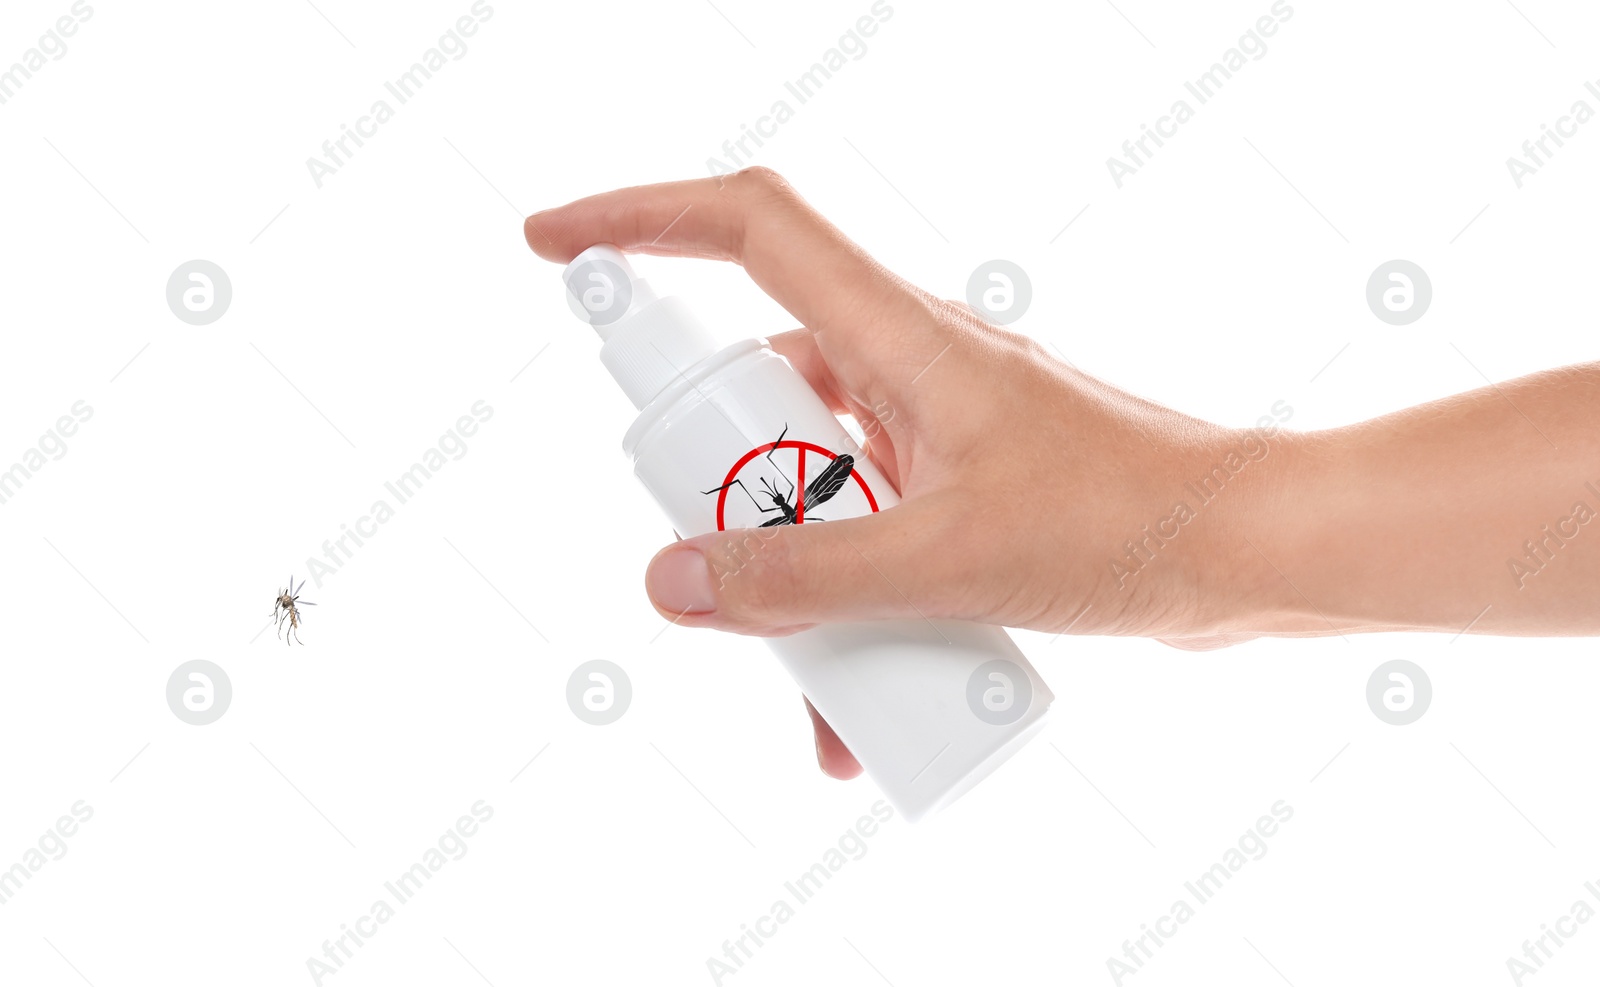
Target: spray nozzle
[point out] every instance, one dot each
(647, 342)
(602, 288)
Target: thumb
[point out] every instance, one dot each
(774, 581)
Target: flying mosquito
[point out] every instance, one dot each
(286, 608)
(818, 491)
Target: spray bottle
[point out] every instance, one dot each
(734, 439)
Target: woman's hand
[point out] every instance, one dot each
(1022, 480)
(1036, 496)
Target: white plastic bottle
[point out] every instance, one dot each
(929, 707)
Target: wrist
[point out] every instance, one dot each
(1258, 483)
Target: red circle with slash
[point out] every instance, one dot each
(800, 481)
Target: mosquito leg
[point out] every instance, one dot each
(776, 468)
(779, 470)
(747, 493)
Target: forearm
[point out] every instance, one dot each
(1480, 509)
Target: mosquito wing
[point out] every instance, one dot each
(827, 483)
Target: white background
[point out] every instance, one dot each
(371, 313)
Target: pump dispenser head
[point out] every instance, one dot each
(647, 342)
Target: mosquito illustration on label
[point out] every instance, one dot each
(819, 491)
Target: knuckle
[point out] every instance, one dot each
(751, 194)
(760, 182)
(759, 175)
(1031, 349)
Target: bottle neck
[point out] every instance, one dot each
(649, 350)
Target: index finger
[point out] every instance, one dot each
(755, 219)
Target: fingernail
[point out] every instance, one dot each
(680, 581)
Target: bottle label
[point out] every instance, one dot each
(789, 481)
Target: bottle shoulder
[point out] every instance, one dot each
(694, 386)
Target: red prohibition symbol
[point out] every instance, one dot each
(790, 497)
